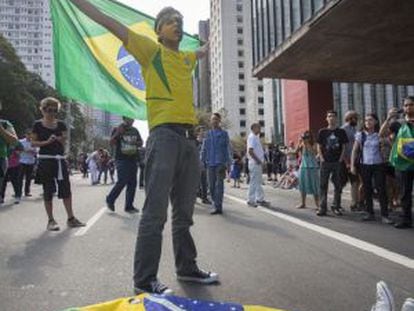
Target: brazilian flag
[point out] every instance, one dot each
(146, 302)
(91, 64)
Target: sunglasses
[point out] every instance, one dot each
(50, 110)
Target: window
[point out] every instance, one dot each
(241, 76)
(239, 30)
(242, 123)
(260, 88)
(241, 65)
(240, 53)
(260, 100)
(262, 123)
(239, 7)
(242, 100)
(240, 41)
(242, 111)
(261, 111)
(241, 88)
(239, 19)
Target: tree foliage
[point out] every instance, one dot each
(20, 94)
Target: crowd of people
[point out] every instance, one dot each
(376, 160)
(175, 169)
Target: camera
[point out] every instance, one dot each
(305, 136)
(400, 111)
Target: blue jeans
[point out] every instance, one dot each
(127, 176)
(171, 173)
(216, 183)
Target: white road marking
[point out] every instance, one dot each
(346, 239)
(91, 222)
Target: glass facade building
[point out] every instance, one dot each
(274, 23)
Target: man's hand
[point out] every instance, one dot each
(202, 51)
(392, 113)
(109, 23)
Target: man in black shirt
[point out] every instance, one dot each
(331, 148)
(127, 141)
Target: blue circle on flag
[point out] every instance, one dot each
(130, 69)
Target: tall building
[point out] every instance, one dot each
(203, 86)
(333, 53)
(100, 122)
(233, 88)
(26, 24)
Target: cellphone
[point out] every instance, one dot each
(400, 111)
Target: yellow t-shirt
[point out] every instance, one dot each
(168, 79)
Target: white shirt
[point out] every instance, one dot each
(253, 141)
(28, 155)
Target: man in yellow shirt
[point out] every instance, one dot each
(172, 158)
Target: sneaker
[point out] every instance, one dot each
(52, 225)
(131, 210)
(155, 287)
(110, 206)
(199, 276)
(75, 223)
(385, 300)
(321, 212)
(403, 225)
(386, 220)
(336, 211)
(205, 201)
(17, 200)
(27, 195)
(408, 305)
(368, 217)
(263, 203)
(252, 204)
(216, 212)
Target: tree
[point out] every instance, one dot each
(203, 118)
(20, 94)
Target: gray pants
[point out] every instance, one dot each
(171, 171)
(328, 169)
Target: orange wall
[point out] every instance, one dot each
(305, 106)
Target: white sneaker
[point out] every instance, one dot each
(385, 299)
(408, 305)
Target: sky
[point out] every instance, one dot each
(192, 10)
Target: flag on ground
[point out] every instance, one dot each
(91, 64)
(146, 302)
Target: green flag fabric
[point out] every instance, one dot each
(91, 64)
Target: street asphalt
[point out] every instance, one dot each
(279, 257)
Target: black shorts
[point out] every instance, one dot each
(47, 176)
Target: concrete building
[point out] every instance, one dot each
(234, 90)
(202, 85)
(341, 54)
(26, 24)
(100, 122)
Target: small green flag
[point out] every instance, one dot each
(91, 64)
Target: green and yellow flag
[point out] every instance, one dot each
(91, 64)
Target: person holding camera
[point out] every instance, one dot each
(367, 154)
(402, 158)
(309, 182)
(216, 153)
(49, 134)
(127, 141)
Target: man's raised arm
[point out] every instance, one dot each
(109, 23)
